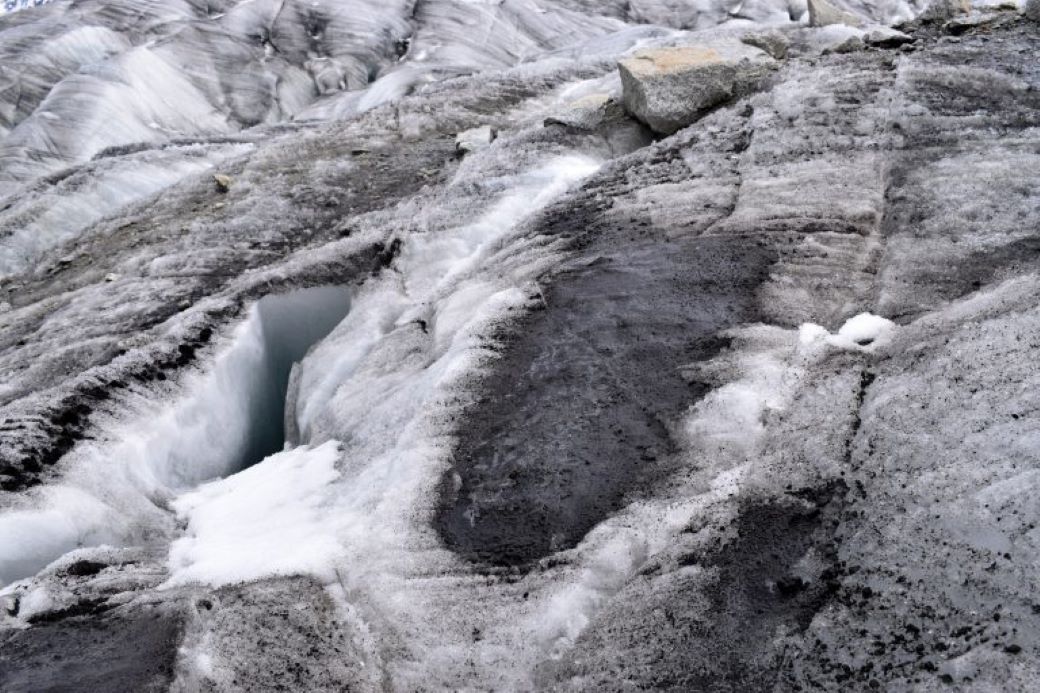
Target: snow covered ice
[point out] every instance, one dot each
(377, 346)
(263, 521)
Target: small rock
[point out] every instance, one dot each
(830, 39)
(849, 45)
(883, 37)
(824, 13)
(964, 24)
(669, 88)
(588, 112)
(474, 139)
(1013, 649)
(1032, 10)
(111, 277)
(772, 42)
(223, 182)
(329, 75)
(941, 10)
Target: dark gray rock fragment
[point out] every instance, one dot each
(775, 43)
(1032, 10)
(884, 37)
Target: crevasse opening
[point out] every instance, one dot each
(352, 504)
(230, 416)
(290, 324)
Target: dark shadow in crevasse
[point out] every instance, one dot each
(291, 323)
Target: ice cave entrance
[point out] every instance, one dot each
(290, 324)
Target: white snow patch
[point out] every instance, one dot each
(568, 612)
(266, 520)
(811, 332)
(865, 328)
(863, 332)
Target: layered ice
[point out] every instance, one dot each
(110, 74)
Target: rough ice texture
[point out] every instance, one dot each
(598, 410)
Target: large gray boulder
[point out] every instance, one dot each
(824, 13)
(669, 88)
(941, 10)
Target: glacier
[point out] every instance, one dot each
(376, 345)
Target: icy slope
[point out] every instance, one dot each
(750, 407)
